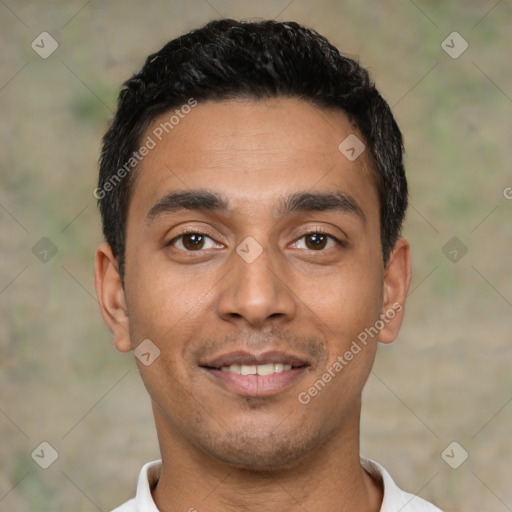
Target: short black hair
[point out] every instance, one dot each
(228, 59)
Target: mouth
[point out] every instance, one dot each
(253, 375)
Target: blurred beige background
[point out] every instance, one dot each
(447, 378)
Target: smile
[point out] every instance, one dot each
(261, 369)
(253, 375)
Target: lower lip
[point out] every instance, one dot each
(256, 385)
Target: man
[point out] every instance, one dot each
(252, 193)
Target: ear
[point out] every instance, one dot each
(397, 277)
(110, 292)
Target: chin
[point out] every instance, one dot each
(261, 451)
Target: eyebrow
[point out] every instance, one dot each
(205, 200)
(307, 201)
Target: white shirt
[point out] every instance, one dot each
(395, 500)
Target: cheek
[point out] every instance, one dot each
(165, 310)
(347, 309)
(348, 301)
(159, 305)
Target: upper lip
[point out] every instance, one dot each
(250, 359)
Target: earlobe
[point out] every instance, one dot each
(397, 277)
(110, 292)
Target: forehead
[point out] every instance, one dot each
(251, 152)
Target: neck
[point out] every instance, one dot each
(329, 479)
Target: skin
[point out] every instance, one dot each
(223, 451)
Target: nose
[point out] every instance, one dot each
(257, 291)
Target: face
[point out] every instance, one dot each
(253, 264)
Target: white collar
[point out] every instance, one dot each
(395, 500)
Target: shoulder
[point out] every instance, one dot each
(394, 498)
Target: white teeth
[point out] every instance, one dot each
(265, 369)
(261, 369)
(247, 370)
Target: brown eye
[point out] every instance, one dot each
(316, 241)
(192, 242)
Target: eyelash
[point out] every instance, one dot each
(318, 231)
